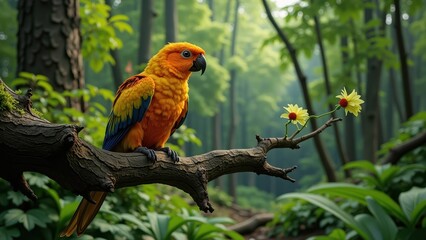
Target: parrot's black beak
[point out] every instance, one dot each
(199, 64)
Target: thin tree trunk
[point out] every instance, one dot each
(371, 117)
(340, 149)
(171, 20)
(145, 31)
(53, 47)
(350, 143)
(233, 104)
(117, 74)
(406, 82)
(323, 155)
(217, 118)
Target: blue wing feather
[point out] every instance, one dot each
(116, 129)
(120, 123)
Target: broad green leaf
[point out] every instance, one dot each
(359, 193)
(369, 226)
(331, 207)
(9, 233)
(386, 224)
(45, 86)
(363, 164)
(43, 78)
(27, 75)
(413, 203)
(336, 234)
(19, 82)
(17, 198)
(29, 219)
(205, 229)
(119, 17)
(123, 27)
(37, 179)
(12, 216)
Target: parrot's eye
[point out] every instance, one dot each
(186, 54)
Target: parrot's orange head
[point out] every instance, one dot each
(181, 59)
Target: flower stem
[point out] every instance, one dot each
(312, 116)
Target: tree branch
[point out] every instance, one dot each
(397, 152)
(29, 143)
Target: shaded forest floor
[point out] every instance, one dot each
(240, 215)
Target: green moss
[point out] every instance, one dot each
(7, 102)
(36, 112)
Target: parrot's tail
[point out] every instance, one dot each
(84, 214)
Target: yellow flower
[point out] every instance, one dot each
(351, 103)
(296, 114)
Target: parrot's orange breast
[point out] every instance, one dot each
(167, 107)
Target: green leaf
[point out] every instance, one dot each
(413, 203)
(45, 86)
(336, 234)
(369, 226)
(27, 75)
(331, 207)
(96, 65)
(19, 81)
(9, 233)
(158, 225)
(386, 225)
(119, 17)
(29, 219)
(17, 197)
(37, 180)
(358, 194)
(123, 27)
(363, 165)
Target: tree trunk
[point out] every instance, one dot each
(340, 149)
(233, 104)
(371, 117)
(217, 118)
(117, 74)
(350, 143)
(171, 20)
(145, 31)
(405, 76)
(49, 43)
(323, 154)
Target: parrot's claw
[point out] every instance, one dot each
(149, 153)
(172, 154)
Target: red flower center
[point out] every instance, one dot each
(343, 102)
(292, 116)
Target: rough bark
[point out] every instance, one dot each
(49, 43)
(323, 154)
(29, 143)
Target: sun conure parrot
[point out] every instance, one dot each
(147, 109)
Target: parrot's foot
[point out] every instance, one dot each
(149, 153)
(172, 154)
